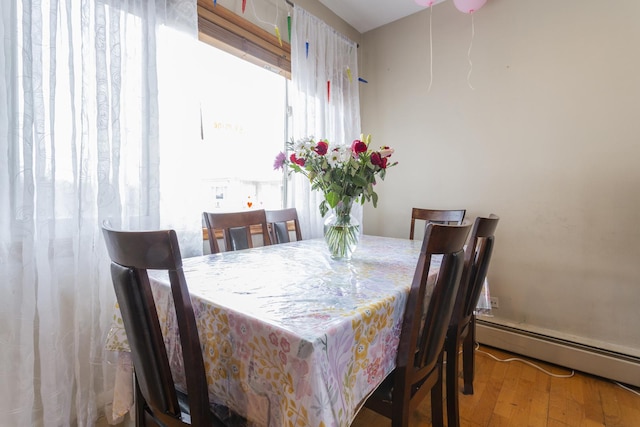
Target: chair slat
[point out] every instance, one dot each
(279, 221)
(236, 229)
(420, 351)
(132, 254)
(436, 216)
(461, 330)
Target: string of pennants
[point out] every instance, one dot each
(466, 6)
(347, 71)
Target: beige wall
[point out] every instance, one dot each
(549, 139)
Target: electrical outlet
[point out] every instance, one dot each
(494, 302)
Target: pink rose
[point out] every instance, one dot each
(358, 147)
(386, 151)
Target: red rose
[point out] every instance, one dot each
(321, 148)
(358, 147)
(378, 160)
(296, 160)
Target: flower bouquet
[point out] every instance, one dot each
(344, 175)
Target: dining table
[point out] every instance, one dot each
(289, 336)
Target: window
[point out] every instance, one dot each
(243, 127)
(244, 72)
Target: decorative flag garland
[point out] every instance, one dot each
(347, 71)
(278, 34)
(465, 6)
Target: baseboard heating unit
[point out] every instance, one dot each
(596, 361)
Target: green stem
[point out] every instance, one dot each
(341, 239)
(342, 236)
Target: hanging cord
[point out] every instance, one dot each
(253, 7)
(430, 49)
(473, 33)
(526, 362)
(275, 26)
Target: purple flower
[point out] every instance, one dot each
(280, 160)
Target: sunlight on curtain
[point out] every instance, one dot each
(319, 55)
(180, 165)
(83, 125)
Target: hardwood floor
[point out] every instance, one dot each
(515, 394)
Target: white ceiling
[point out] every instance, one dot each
(365, 15)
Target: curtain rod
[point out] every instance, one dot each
(290, 3)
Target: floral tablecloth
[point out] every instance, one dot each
(290, 336)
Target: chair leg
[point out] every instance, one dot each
(468, 356)
(140, 418)
(400, 412)
(453, 408)
(437, 416)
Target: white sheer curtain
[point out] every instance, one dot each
(325, 101)
(84, 124)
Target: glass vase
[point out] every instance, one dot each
(342, 231)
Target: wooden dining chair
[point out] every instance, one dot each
(436, 216)
(462, 329)
(279, 220)
(236, 229)
(420, 350)
(158, 403)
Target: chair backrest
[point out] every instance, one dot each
(279, 220)
(476, 263)
(236, 229)
(436, 216)
(132, 254)
(426, 319)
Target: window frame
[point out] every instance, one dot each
(225, 30)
